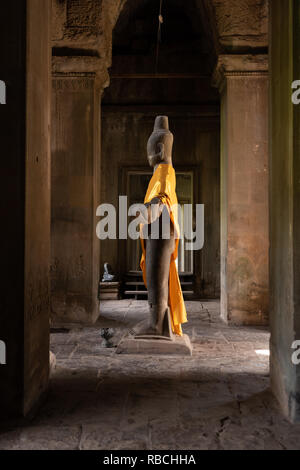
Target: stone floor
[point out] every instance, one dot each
(217, 399)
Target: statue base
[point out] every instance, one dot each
(178, 346)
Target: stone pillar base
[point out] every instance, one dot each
(180, 346)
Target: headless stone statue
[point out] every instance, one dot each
(161, 332)
(158, 249)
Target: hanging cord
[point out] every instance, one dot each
(160, 22)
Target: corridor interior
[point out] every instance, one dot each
(217, 399)
(82, 94)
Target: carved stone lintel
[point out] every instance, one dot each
(85, 25)
(241, 23)
(91, 68)
(73, 82)
(239, 65)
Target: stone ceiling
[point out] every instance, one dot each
(84, 27)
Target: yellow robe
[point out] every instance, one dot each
(163, 186)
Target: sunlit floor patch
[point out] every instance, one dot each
(263, 352)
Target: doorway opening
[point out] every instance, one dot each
(136, 187)
(173, 78)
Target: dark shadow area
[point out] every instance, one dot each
(217, 399)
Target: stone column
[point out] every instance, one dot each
(77, 87)
(284, 205)
(243, 84)
(25, 204)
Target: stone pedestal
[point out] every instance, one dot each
(75, 191)
(243, 84)
(109, 290)
(179, 346)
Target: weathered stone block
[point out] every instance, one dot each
(180, 346)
